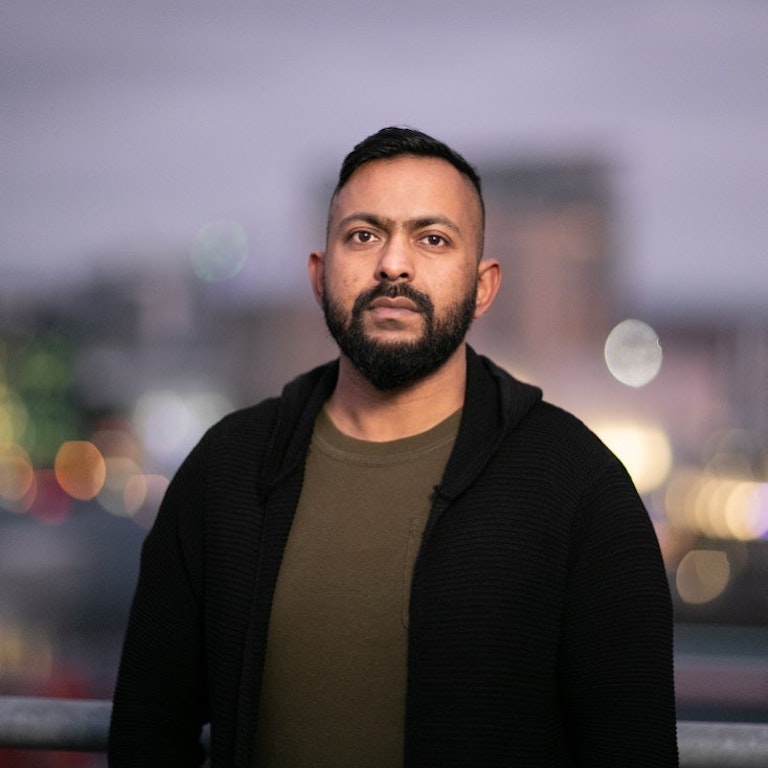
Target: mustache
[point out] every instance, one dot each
(393, 291)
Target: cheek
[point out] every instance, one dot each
(346, 283)
(454, 287)
(341, 292)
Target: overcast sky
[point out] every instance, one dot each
(128, 125)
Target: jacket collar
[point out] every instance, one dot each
(493, 404)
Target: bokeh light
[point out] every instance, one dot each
(702, 575)
(13, 416)
(135, 493)
(17, 477)
(38, 408)
(24, 653)
(644, 449)
(80, 469)
(716, 506)
(49, 503)
(142, 496)
(117, 438)
(219, 250)
(633, 353)
(120, 472)
(170, 423)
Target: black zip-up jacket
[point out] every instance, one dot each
(540, 617)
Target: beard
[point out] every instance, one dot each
(393, 365)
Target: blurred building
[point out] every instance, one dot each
(553, 228)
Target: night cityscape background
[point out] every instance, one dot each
(166, 171)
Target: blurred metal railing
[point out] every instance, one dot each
(74, 725)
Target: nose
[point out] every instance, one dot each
(395, 261)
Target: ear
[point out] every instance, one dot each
(488, 282)
(316, 268)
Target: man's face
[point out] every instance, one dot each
(398, 280)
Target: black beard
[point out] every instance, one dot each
(391, 366)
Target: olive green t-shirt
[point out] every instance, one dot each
(333, 692)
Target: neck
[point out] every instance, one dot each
(360, 410)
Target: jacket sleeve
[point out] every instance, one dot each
(160, 697)
(617, 652)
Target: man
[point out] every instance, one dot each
(409, 558)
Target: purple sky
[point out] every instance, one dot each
(126, 126)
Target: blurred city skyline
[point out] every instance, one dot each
(149, 151)
(128, 127)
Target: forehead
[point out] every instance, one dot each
(409, 187)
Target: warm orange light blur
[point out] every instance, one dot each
(702, 576)
(135, 493)
(718, 507)
(16, 473)
(644, 449)
(142, 496)
(25, 652)
(117, 440)
(119, 472)
(80, 469)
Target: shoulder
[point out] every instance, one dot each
(566, 466)
(540, 437)
(259, 435)
(245, 423)
(563, 436)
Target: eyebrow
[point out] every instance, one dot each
(384, 222)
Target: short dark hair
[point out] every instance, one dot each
(396, 141)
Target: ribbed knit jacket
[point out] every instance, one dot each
(540, 617)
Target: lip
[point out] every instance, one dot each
(399, 302)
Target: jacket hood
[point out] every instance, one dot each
(494, 403)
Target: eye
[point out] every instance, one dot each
(434, 241)
(362, 237)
